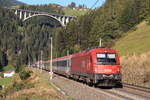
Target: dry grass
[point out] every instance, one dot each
(39, 93)
(34, 88)
(136, 69)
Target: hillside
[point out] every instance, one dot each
(109, 22)
(135, 41)
(134, 49)
(22, 42)
(35, 86)
(9, 2)
(74, 12)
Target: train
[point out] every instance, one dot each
(96, 66)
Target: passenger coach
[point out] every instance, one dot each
(62, 65)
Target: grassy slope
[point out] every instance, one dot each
(70, 12)
(137, 41)
(36, 87)
(9, 67)
(132, 47)
(5, 81)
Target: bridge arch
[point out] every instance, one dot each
(34, 15)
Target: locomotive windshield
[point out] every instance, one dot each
(106, 58)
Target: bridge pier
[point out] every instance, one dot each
(59, 18)
(20, 15)
(67, 20)
(63, 21)
(29, 14)
(25, 15)
(16, 12)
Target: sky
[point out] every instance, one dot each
(88, 3)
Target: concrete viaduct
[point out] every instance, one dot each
(27, 14)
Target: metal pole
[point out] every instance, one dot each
(51, 70)
(67, 52)
(100, 42)
(41, 60)
(38, 62)
(67, 61)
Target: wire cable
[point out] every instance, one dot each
(94, 4)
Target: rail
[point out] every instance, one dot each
(140, 88)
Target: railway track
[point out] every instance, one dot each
(128, 92)
(77, 91)
(127, 95)
(140, 88)
(140, 92)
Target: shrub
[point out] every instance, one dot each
(133, 29)
(25, 74)
(148, 21)
(16, 87)
(11, 89)
(1, 75)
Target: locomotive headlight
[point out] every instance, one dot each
(118, 70)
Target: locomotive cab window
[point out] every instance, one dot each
(106, 58)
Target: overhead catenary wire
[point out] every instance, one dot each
(94, 4)
(100, 41)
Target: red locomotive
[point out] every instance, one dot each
(98, 66)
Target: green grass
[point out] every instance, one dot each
(6, 81)
(16, 6)
(44, 80)
(70, 12)
(69, 98)
(135, 42)
(8, 68)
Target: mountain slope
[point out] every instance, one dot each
(137, 41)
(75, 12)
(9, 2)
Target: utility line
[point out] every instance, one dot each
(94, 4)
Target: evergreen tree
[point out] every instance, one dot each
(108, 22)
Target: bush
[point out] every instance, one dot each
(17, 86)
(25, 74)
(1, 75)
(3, 59)
(18, 66)
(148, 21)
(11, 89)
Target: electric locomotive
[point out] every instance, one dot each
(99, 66)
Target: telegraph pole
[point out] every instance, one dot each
(41, 60)
(38, 66)
(68, 61)
(67, 52)
(100, 42)
(51, 70)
